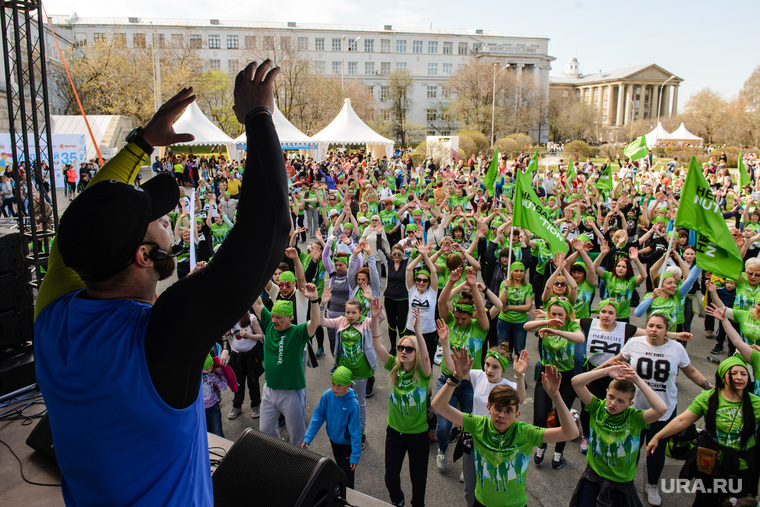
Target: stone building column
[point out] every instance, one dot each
(642, 92)
(610, 109)
(674, 106)
(655, 102)
(620, 104)
(628, 105)
(665, 109)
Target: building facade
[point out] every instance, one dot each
(348, 52)
(621, 96)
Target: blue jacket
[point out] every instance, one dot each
(343, 421)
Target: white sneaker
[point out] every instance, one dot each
(234, 412)
(440, 460)
(438, 355)
(461, 476)
(653, 495)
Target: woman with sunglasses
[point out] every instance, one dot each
(620, 283)
(422, 288)
(516, 296)
(396, 295)
(559, 334)
(560, 283)
(407, 430)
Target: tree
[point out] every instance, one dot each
(215, 99)
(472, 89)
(750, 93)
(708, 109)
(570, 118)
(400, 98)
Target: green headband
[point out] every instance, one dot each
(464, 308)
(424, 272)
(665, 275)
(564, 304)
(341, 257)
(503, 360)
(608, 302)
(342, 376)
(730, 362)
(517, 265)
(282, 307)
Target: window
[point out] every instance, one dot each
(369, 45)
(320, 66)
(477, 47)
(99, 37)
(268, 42)
(353, 45)
(432, 92)
(385, 68)
(432, 69)
(369, 67)
(178, 40)
(233, 66)
(371, 90)
(433, 47)
(385, 115)
(431, 132)
(352, 67)
(401, 46)
(80, 39)
(448, 48)
(196, 41)
(445, 93)
(417, 46)
(138, 40)
(400, 65)
(446, 69)
(383, 92)
(215, 64)
(250, 42)
(462, 48)
(233, 42)
(319, 44)
(303, 43)
(385, 45)
(337, 44)
(285, 43)
(161, 40)
(336, 67)
(214, 42)
(431, 114)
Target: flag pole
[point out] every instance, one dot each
(509, 261)
(667, 255)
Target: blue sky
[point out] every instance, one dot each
(708, 44)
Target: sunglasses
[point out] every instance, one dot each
(422, 280)
(396, 254)
(560, 284)
(285, 285)
(405, 349)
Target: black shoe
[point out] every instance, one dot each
(558, 460)
(538, 458)
(717, 350)
(455, 432)
(370, 387)
(400, 503)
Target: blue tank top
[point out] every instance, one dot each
(116, 441)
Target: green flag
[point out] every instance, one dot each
(571, 171)
(533, 166)
(637, 149)
(605, 179)
(698, 211)
(528, 212)
(743, 174)
(490, 179)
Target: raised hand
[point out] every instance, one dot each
(326, 295)
(375, 307)
(633, 253)
(714, 311)
(443, 331)
(462, 362)
(521, 364)
(253, 88)
(605, 248)
(471, 277)
(310, 291)
(551, 379)
(160, 129)
(291, 253)
(456, 274)
(621, 371)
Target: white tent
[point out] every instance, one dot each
(109, 131)
(658, 135)
(682, 136)
(290, 137)
(206, 133)
(348, 128)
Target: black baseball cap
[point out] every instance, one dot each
(101, 229)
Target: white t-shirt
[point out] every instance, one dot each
(426, 303)
(481, 388)
(239, 344)
(603, 345)
(658, 367)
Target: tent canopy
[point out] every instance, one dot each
(206, 133)
(348, 128)
(290, 137)
(109, 131)
(658, 135)
(682, 134)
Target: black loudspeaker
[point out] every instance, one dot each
(262, 470)
(41, 439)
(16, 297)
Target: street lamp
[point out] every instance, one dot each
(493, 97)
(659, 98)
(343, 64)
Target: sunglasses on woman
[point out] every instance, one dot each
(560, 284)
(421, 280)
(405, 349)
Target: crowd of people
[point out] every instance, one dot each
(415, 269)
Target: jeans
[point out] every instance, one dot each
(396, 446)
(214, 420)
(463, 395)
(312, 222)
(514, 333)
(342, 453)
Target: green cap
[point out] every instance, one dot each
(417, 212)
(209, 362)
(342, 376)
(282, 307)
(728, 363)
(660, 218)
(411, 228)
(287, 276)
(579, 264)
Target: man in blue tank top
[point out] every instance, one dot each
(119, 369)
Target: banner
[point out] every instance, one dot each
(528, 212)
(67, 149)
(490, 178)
(637, 149)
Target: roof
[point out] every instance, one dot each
(682, 134)
(614, 75)
(195, 122)
(348, 128)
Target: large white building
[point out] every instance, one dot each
(350, 52)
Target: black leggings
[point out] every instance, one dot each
(656, 460)
(396, 446)
(543, 404)
(397, 311)
(431, 341)
(342, 454)
(599, 389)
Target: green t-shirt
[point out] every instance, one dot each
(389, 218)
(443, 276)
(543, 253)
(748, 327)
(516, 295)
(613, 445)
(407, 402)
(283, 354)
(472, 336)
(319, 275)
(501, 460)
(619, 290)
(218, 233)
(582, 305)
(729, 420)
(558, 351)
(351, 354)
(669, 306)
(746, 295)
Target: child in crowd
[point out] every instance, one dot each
(214, 380)
(339, 407)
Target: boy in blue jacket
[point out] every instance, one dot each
(340, 408)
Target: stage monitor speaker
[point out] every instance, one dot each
(41, 439)
(262, 470)
(11, 252)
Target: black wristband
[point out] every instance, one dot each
(314, 301)
(253, 112)
(455, 380)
